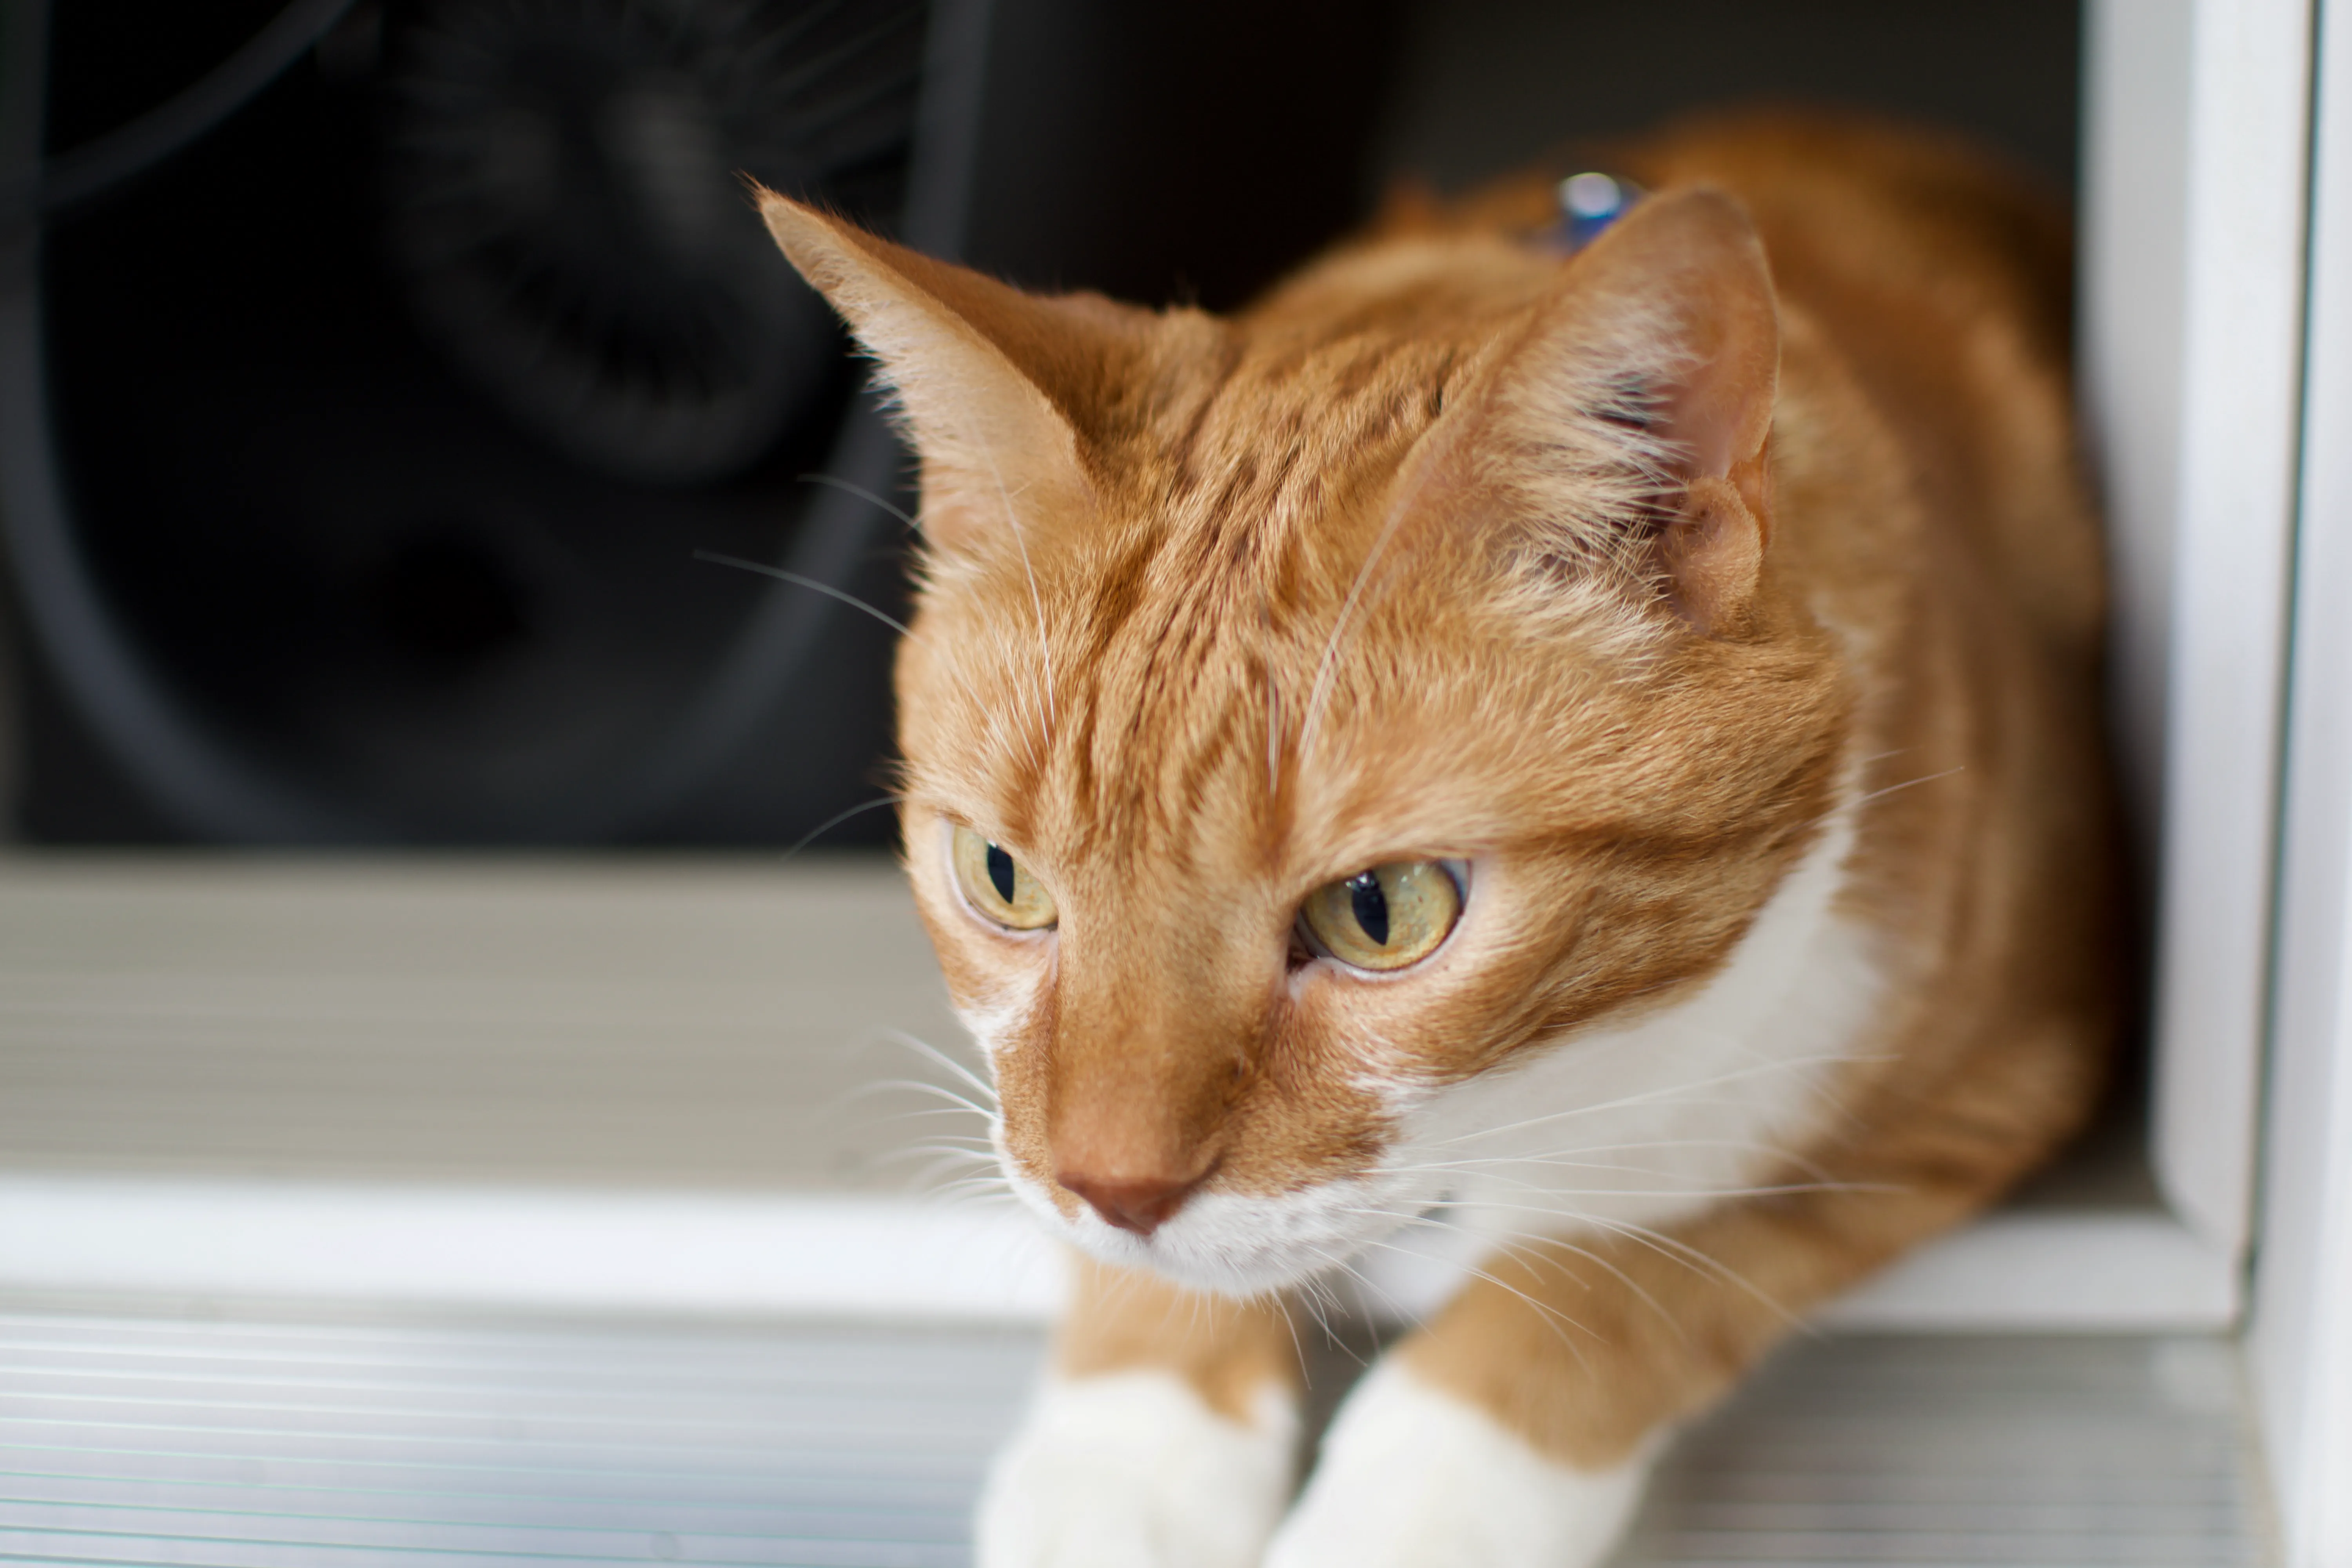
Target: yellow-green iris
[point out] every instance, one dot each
(998, 885)
(1393, 915)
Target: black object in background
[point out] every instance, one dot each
(1484, 83)
(358, 545)
(357, 464)
(376, 432)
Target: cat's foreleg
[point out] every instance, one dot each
(1425, 1468)
(1415, 1474)
(1166, 1436)
(1517, 1428)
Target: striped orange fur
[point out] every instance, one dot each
(1720, 606)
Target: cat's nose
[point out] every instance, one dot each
(1139, 1204)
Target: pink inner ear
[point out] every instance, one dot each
(1724, 409)
(1690, 262)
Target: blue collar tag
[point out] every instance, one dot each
(1589, 203)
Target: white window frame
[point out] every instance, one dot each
(2191, 309)
(2300, 1342)
(2218, 375)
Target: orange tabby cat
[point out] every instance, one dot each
(1597, 752)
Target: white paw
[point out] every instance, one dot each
(1413, 1478)
(1134, 1470)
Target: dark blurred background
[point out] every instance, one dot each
(355, 450)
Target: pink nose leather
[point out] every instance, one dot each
(1141, 1204)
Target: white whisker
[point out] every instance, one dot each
(1700, 1262)
(827, 589)
(919, 1085)
(1675, 1094)
(1326, 666)
(861, 492)
(1907, 783)
(924, 1048)
(1552, 1314)
(1037, 599)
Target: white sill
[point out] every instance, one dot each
(621, 1084)
(855, 1255)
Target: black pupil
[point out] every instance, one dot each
(1001, 873)
(1372, 907)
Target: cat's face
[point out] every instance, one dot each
(1309, 715)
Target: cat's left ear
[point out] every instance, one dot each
(1003, 392)
(1659, 358)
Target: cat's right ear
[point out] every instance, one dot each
(1635, 420)
(999, 388)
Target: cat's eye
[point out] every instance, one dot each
(1393, 915)
(998, 885)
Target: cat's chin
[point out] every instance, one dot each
(1241, 1244)
(1247, 1280)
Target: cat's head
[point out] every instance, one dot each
(1309, 712)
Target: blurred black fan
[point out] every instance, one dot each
(358, 454)
(564, 203)
(354, 458)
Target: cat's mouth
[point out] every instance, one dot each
(1242, 1244)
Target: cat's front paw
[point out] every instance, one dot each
(1135, 1470)
(1411, 1476)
